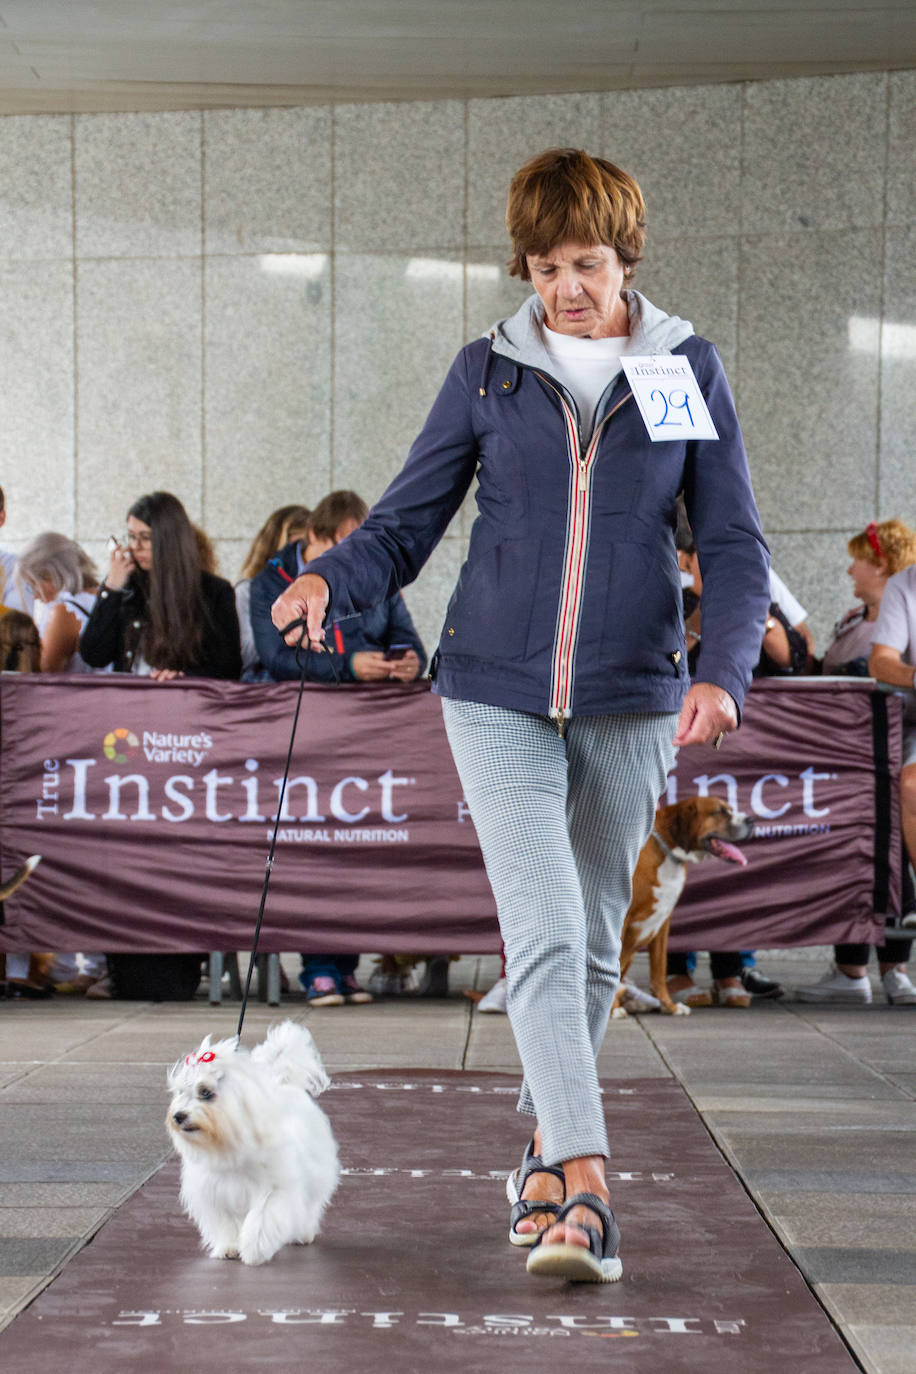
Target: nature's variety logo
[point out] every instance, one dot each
(120, 745)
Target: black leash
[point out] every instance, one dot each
(294, 624)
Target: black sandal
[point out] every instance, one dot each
(596, 1263)
(526, 1207)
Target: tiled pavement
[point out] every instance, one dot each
(812, 1107)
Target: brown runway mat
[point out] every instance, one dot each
(413, 1272)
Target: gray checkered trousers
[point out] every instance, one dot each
(560, 824)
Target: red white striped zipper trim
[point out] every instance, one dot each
(574, 561)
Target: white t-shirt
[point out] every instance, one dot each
(793, 610)
(585, 367)
(78, 604)
(896, 623)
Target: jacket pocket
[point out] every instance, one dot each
(490, 608)
(643, 625)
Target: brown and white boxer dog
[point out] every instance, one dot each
(685, 833)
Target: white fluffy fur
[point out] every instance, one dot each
(258, 1157)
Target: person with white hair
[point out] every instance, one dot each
(57, 572)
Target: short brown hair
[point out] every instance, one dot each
(896, 541)
(336, 510)
(565, 196)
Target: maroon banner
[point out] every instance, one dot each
(816, 767)
(152, 806)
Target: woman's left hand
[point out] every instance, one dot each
(708, 711)
(165, 674)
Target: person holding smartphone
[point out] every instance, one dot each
(381, 644)
(157, 613)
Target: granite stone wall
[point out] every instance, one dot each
(251, 307)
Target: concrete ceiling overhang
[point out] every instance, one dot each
(98, 55)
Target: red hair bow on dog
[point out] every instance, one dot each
(871, 534)
(207, 1058)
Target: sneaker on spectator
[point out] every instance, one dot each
(383, 984)
(495, 999)
(322, 992)
(897, 988)
(352, 991)
(758, 986)
(635, 1001)
(836, 987)
(399, 982)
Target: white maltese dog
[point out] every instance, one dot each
(258, 1157)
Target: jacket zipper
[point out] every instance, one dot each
(577, 533)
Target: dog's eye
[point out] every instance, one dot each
(205, 1094)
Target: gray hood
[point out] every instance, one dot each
(519, 337)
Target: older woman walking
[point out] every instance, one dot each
(562, 664)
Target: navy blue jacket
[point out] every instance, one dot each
(384, 623)
(569, 601)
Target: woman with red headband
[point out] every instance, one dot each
(881, 552)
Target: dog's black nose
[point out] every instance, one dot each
(179, 1117)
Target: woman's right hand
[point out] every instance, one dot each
(120, 567)
(305, 599)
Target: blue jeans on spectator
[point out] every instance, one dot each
(336, 966)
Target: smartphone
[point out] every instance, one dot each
(395, 651)
(112, 544)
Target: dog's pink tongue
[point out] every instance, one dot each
(723, 850)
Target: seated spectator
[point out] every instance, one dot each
(60, 574)
(361, 648)
(380, 645)
(13, 597)
(286, 523)
(878, 553)
(157, 614)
